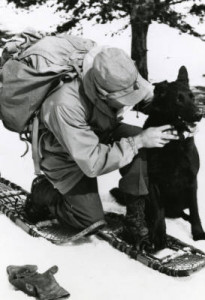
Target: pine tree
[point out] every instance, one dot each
(139, 13)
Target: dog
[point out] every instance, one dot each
(173, 169)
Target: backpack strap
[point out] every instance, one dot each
(33, 134)
(35, 149)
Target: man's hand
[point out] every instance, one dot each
(156, 137)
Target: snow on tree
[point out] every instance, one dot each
(138, 13)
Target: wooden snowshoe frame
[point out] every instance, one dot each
(185, 260)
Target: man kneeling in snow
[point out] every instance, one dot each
(85, 138)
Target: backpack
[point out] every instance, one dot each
(32, 69)
(33, 65)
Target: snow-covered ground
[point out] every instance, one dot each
(91, 269)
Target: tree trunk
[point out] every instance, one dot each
(139, 46)
(140, 18)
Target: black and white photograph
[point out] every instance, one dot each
(102, 149)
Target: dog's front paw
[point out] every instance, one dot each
(158, 236)
(157, 232)
(159, 242)
(197, 236)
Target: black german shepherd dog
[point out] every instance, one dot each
(173, 169)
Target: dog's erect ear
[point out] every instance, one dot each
(183, 76)
(160, 88)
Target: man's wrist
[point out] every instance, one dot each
(136, 143)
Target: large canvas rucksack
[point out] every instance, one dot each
(33, 65)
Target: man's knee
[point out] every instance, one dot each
(77, 210)
(81, 211)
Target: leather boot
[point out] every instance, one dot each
(135, 227)
(38, 202)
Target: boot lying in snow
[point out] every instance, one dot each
(42, 286)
